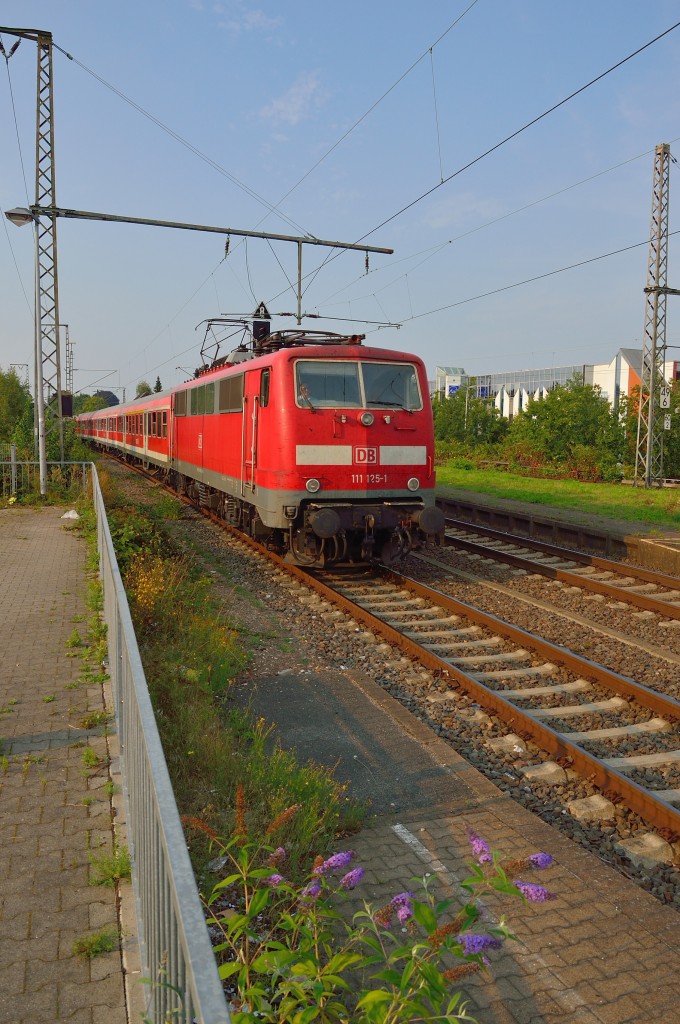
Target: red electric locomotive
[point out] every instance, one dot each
(314, 443)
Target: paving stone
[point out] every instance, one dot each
(44, 824)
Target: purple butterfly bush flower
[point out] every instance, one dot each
(402, 903)
(274, 880)
(540, 860)
(404, 913)
(533, 893)
(480, 847)
(474, 944)
(352, 878)
(335, 863)
(311, 891)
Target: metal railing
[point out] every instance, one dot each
(19, 479)
(177, 957)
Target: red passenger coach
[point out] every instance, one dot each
(314, 443)
(139, 430)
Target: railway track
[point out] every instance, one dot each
(523, 689)
(642, 588)
(539, 689)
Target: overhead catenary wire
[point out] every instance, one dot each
(434, 250)
(504, 141)
(21, 160)
(436, 117)
(314, 273)
(519, 131)
(531, 280)
(492, 149)
(377, 102)
(271, 207)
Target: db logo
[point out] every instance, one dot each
(366, 456)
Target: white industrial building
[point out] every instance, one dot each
(512, 389)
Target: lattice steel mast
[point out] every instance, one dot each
(653, 386)
(47, 290)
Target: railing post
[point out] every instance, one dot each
(13, 460)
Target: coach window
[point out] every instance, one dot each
(264, 388)
(198, 401)
(209, 399)
(230, 395)
(181, 403)
(165, 423)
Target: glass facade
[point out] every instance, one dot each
(490, 384)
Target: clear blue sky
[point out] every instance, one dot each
(265, 90)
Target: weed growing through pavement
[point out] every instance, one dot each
(110, 868)
(90, 758)
(94, 719)
(90, 946)
(291, 952)
(74, 640)
(48, 698)
(30, 760)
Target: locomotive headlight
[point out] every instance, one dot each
(413, 484)
(313, 486)
(367, 418)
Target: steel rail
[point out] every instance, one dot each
(644, 601)
(651, 808)
(608, 564)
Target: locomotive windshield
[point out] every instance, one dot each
(326, 384)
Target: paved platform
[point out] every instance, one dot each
(54, 810)
(603, 952)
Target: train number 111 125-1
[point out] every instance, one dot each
(369, 478)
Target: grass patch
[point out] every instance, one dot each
(94, 719)
(191, 653)
(90, 758)
(616, 501)
(90, 946)
(75, 639)
(110, 868)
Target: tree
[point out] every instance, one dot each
(109, 398)
(466, 418)
(158, 386)
(573, 419)
(143, 389)
(15, 401)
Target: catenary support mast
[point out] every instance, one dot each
(47, 354)
(653, 387)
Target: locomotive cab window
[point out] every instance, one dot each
(391, 385)
(321, 384)
(325, 385)
(264, 388)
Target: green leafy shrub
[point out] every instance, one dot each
(291, 953)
